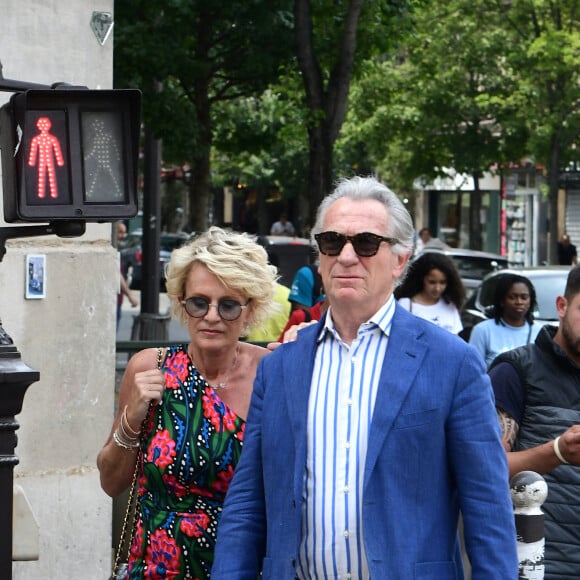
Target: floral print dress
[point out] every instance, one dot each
(192, 442)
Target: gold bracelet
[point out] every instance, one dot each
(127, 437)
(558, 452)
(129, 428)
(121, 440)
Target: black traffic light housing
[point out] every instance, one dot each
(70, 154)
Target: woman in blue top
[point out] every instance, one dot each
(513, 323)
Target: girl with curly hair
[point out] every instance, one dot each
(433, 290)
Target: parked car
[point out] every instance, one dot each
(548, 281)
(132, 256)
(473, 265)
(288, 253)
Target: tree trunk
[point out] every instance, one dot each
(199, 193)
(319, 172)
(326, 105)
(458, 202)
(475, 229)
(201, 164)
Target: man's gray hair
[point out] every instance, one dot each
(400, 224)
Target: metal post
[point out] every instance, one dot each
(149, 324)
(151, 224)
(529, 491)
(15, 378)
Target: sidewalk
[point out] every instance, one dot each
(177, 332)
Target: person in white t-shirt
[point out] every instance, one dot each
(513, 323)
(282, 227)
(433, 290)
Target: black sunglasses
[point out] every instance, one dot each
(364, 244)
(198, 307)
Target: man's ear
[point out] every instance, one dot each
(561, 305)
(400, 264)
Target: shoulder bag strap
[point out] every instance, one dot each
(130, 511)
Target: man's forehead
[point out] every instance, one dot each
(357, 215)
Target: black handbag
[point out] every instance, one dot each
(120, 569)
(122, 572)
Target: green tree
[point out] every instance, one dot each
(476, 84)
(329, 45)
(545, 54)
(201, 52)
(260, 141)
(440, 104)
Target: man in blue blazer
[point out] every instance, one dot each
(368, 435)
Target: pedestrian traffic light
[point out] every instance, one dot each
(70, 154)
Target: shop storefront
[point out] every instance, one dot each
(513, 216)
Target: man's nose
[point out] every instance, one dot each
(347, 252)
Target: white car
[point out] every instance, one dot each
(473, 265)
(548, 281)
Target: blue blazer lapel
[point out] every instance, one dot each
(297, 369)
(403, 359)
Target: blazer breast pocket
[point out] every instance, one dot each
(416, 419)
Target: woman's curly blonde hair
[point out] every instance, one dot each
(236, 259)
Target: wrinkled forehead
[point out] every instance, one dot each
(354, 216)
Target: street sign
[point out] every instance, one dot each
(70, 154)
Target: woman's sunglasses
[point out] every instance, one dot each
(198, 307)
(365, 244)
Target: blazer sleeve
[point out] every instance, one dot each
(479, 464)
(241, 535)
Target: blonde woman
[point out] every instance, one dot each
(188, 417)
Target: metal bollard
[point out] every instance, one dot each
(15, 378)
(529, 491)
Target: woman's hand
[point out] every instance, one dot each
(292, 333)
(148, 388)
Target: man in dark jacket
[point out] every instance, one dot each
(567, 255)
(537, 389)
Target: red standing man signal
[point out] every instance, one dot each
(44, 148)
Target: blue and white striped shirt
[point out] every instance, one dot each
(340, 408)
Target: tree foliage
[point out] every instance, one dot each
(477, 84)
(265, 92)
(332, 38)
(460, 93)
(201, 53)
(259, 141)
(545, 35)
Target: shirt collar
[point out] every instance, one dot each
(382, 318)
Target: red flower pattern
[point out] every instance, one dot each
(173, 486)
(163, 556)
(220, 416)
(176, 370)
(162, 449)
(194, 525)
(136, 550)
(223, 480)
(201, 491)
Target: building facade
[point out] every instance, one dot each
(513, 214)
(67, 333)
